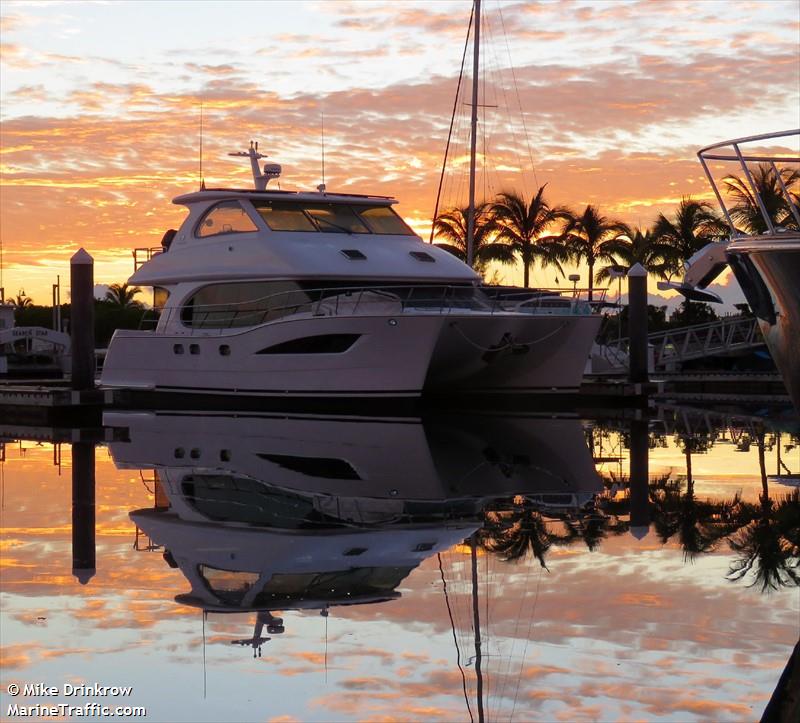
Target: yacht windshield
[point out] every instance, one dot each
(336, 218)
(331, 218)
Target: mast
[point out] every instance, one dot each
(476, 618)
(473, 135)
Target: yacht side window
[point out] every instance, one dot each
(225, 217)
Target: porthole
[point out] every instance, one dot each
(194, 349)
(177, 348)
(224, 350)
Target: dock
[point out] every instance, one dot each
(53, 404)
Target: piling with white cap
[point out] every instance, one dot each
(82, 319)
(637, 322)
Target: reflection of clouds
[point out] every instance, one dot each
(612, 635)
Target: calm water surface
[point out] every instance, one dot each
(468, 568)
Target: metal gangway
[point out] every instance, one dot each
(672, 347)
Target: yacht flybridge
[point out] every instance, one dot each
(273, 292)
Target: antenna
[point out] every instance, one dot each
(202, 182)
(321, 187)
(205, 614)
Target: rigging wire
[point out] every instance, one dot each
(517, 621)
(452, 119)
(519, 100)
(453, 628)
(205, 614)
(527, 638)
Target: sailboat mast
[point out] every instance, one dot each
(473, 135)
(476, 622)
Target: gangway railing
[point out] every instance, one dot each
(673, 346)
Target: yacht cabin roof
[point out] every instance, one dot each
(215, 194)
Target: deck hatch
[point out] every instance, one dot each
(423, 256)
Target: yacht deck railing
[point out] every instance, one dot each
(376, 300)
(732, 152)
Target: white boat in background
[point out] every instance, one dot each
(766, 265)
(270, 292)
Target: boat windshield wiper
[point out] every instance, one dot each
(330, 223)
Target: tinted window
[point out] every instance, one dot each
(225, 217)
(336, 218)
(382, 219)
(221, 306)
(284, 216)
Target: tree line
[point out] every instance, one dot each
(119, 309)
(512, 229)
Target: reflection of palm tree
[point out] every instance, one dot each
(592, 528)
(698, 525)
(123, 295)
(770, 543)
(523, 226)
(746, 212)
(511, 532)
(452, 227)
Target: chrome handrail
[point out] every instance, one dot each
(324, 301)
(743, 159)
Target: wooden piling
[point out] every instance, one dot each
(83, 511)
(82, 320)
(637, 320)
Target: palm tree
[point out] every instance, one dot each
(452, 226)
(746, 212)
(693, 226)
(21, 301)
(588, 237)
(523, 226)
(123, 295)
(634, 246)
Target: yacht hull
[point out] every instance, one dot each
(528, 353)
(768, 270)
(388, 356)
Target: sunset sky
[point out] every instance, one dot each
(101, 108)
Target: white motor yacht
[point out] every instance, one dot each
(271, 292)
(766, 264)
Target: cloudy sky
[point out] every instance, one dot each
(606, 102)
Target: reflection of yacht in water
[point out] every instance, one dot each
(268, 513)
(766, 264)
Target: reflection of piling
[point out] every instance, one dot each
(83, 511)
(637, 321)
(639, 479)
(82, 320)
